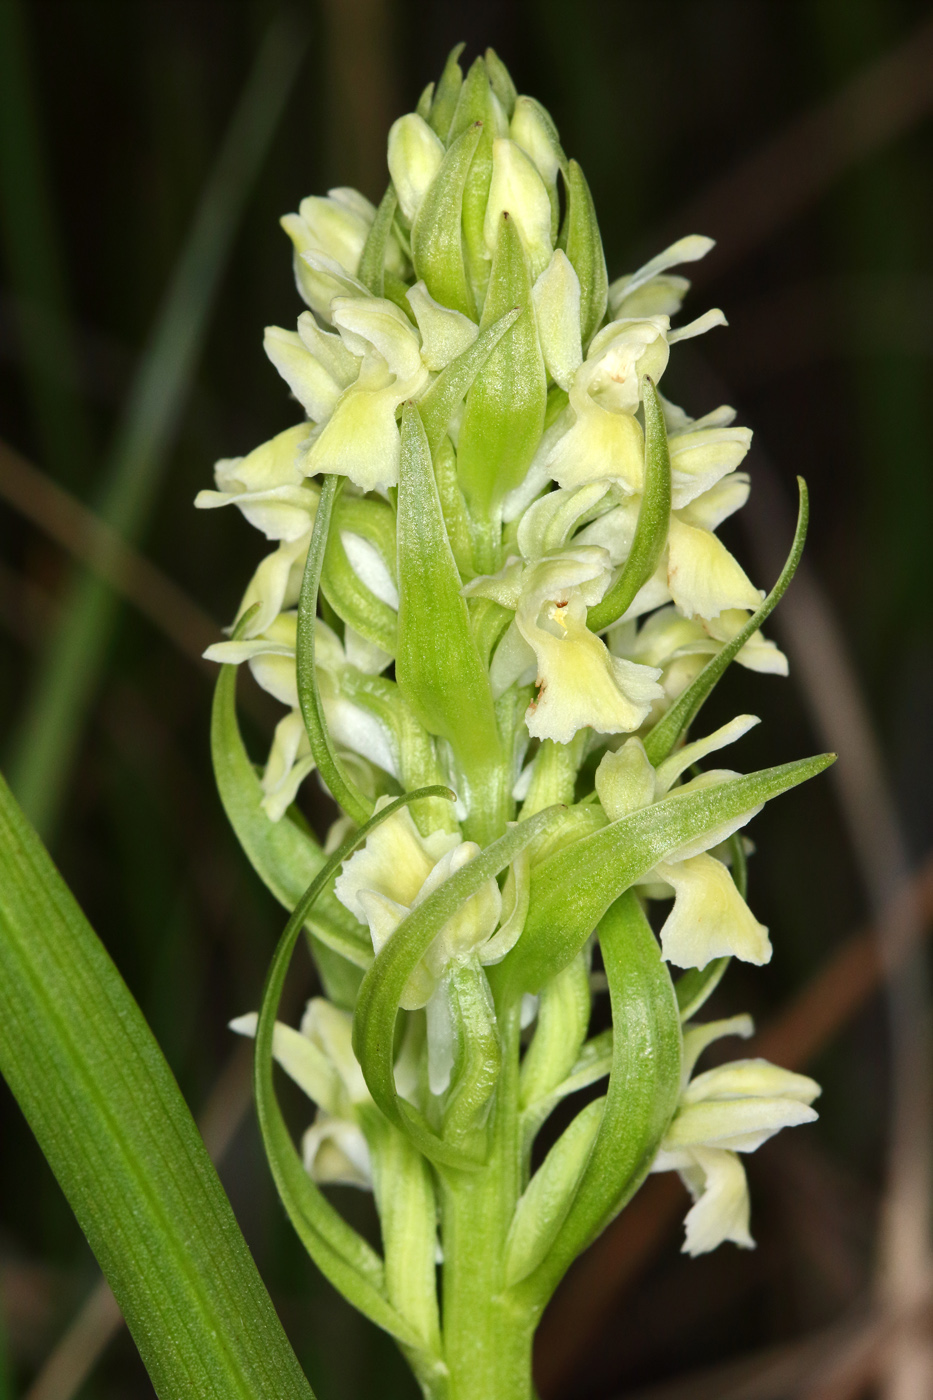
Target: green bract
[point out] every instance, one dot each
(495, 571)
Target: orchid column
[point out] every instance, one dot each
(495, 605)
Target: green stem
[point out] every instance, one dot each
(487, 1334)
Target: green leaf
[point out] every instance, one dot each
(654, 517)
(546, 1201)
(341, 1254)
(644, 1086)
(348, 595)
(454, 381)
(571, 890)
(341, 785)
(584, 247)
(112, 1123)
(285, 857)
(378, 1003)
(660, 741)
(504, 415)
(372, 266)
(437, 237)
(437, 665)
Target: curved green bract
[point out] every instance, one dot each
(660, 741)
(504, 415)
(441, 109)
(285, 857)
(454, 381)
(437, 238)
(342, 587)
(653, 521)
(372, 268)
(109, 1117)
(437, 666)
(571, 890)
(644, 1087)
(341, 1254)
(583, 245)
(340, 784)
(378, 1004)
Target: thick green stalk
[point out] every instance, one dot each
(487, 1334)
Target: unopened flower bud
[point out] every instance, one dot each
(415, 155)
(518, 190)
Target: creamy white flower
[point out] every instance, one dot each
(328, 235)
(709, 918)
(731, 1109)
(268, 486)
(651, 290)
(580, 682)
(518, 190)
(319, 1058)
(415, 156)
(445, 334)
(556, 296)
(354, 728)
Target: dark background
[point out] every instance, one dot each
(796, 132)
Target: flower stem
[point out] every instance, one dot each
(487, 1335)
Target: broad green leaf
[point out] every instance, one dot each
(437, 237)
(109, 1117)
(372, 268)
(504, 415)
(454, 381)
(340, 784)
(653, 520)
(644, 1086)
(378, 1003)
(545, 1202)
(285, 857)
(437, 664)
(663, 737)
(584, 247)
(571, 890)
(341, 1254)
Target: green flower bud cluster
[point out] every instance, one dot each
(496, 571)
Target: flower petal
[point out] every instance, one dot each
(710, 919)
